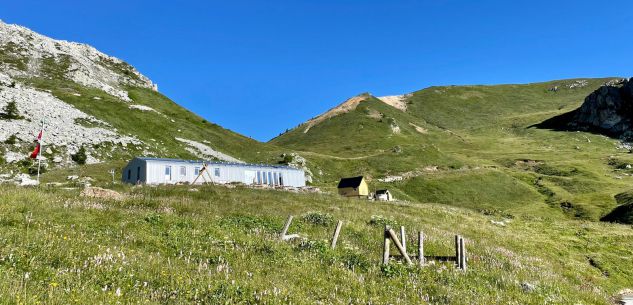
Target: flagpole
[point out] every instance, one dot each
(39, 153)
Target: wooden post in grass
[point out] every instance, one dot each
(403, 238)
(337, 231)
(386, 246)
(394, 237)
(462, 254)
(286, 227)
(457, 250)
(421, 248)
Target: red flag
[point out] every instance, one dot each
(35, 152)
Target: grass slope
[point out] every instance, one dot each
(470, 129)
(219, 245)
(157, 130)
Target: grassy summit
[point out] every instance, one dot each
(475, 146)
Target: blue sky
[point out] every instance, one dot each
(259, 67)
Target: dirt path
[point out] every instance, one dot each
(309, 153)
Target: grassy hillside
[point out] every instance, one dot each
(363, 142)
(219, 245)
(478, 149)
(157, 129)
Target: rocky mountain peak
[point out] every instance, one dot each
(345, 107)
(27, 54)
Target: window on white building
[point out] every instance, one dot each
(167, 172)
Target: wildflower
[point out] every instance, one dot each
(118, 292)
(53, 284)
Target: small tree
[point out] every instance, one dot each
(12, 139)
(10, 111)
(80, 157)
(286, 159)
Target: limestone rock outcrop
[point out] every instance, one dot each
(35, 55)
(607, 110)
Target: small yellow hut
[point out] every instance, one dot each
(353, 187)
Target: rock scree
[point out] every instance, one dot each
(97, 192)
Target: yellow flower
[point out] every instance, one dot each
(54, 284)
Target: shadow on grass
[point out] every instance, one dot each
(566, 122)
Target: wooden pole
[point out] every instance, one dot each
(337, 231)
(393, 236)
(201, 174)
(421, 248)
(210, 177)
(457, 250)
(462, 252)
(403, 238)
(386, 246)
(286, 226)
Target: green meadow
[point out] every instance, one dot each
(220, 245)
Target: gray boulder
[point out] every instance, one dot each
(608, 110)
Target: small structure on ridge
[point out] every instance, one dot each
(353, 187)
(383, 195)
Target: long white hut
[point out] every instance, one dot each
(144, 170)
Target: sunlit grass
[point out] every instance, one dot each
(220, 245)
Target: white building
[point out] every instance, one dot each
(171, 171)
(384, 195)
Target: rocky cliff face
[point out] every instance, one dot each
(26, 54)
(607, 110)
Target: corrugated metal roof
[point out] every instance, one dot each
(216, 162)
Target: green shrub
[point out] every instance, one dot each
(12, 139)
(11, 112)
(549, 170)
(313, 246)
(318, 218)
(618, 164)
(80, 157)
(286, 159)
(355, 261)
(32, 170)
(153, 219)
(392, 270)
(381, 221)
